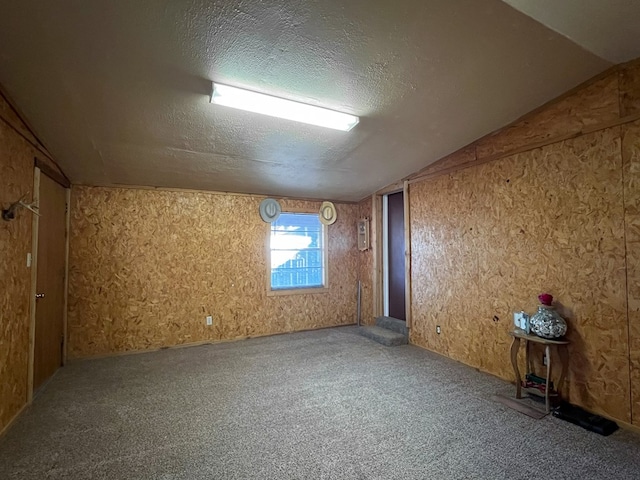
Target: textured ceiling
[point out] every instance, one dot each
(118, 91)
(610, 29)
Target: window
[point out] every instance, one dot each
(297, 247)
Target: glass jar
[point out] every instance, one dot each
(547, 323)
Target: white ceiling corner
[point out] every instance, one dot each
(609, 29)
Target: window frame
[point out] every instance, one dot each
(325, 260)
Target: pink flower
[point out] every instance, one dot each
(545, 299)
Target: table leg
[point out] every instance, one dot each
(515, 346)
(563, 353)
(547, 389)
(528, 362)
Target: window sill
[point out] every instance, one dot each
(296, 291)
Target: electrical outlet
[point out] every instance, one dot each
(209, 320)
(438, 329)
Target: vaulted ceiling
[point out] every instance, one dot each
(118, 91)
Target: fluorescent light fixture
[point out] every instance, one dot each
(281, 108)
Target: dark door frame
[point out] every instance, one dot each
(377, 245)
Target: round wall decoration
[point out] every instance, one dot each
(270, 210)
(328, 213)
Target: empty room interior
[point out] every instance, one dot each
(324, 239)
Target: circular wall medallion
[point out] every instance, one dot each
(270, 210)
(328, 213)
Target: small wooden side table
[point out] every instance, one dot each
(560, 346)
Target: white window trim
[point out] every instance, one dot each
(325, 261)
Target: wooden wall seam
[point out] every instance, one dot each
(526, 148)
(212, 192)
(631, 156)
(626, 272)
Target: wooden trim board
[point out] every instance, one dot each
(6, 428)
(203, 342)
(67, 232)
(214, 192)
(407, 254)
(376, 241)
(525, 148)
(52, 173)
(34, 278)
(392, 188)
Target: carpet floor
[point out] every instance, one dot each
(327, 404)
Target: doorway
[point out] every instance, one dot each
(393, 252)
(50, 262)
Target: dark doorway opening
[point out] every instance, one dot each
(395, 256)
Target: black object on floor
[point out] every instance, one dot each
(585, 419)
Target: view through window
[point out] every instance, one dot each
(297, 252)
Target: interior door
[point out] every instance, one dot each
(50, 281)
(396, 257)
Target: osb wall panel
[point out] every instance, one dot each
(147, 266)
(488, 239)
(593, 105)
(365, 267)
(630, 89)
(631, 159)
(16, 179)
(443, 267)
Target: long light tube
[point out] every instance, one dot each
(279, 107)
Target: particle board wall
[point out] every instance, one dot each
(631, 159)
(16, 179)
(629, 78)
(365, 265)
(147, 266)
(559, 214)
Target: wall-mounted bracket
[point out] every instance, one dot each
(9, 214)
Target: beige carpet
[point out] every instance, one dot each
(329, 404)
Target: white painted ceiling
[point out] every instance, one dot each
(119, 90)
(608, 28)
